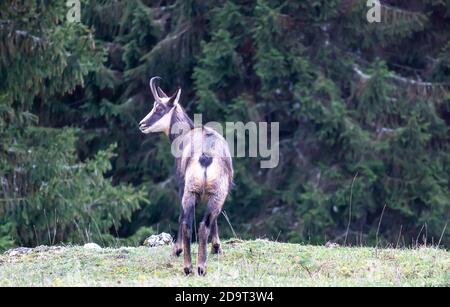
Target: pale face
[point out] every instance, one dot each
(158, 120)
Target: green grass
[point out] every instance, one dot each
(250, 263)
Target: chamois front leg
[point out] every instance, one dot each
(188, 204)
(178, 246)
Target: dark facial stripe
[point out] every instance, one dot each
(160, 111)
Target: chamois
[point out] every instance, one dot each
(204, 171)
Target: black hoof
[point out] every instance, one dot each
(201, 271)
(216, 249)
(177, 252)
(188, 271)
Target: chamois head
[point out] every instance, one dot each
(159, 118)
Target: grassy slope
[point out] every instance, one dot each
(254, 263)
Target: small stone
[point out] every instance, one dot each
(332, 245)
(41, 249)
(158, 240)
(92, 246)
(18, 251)
(166, 238)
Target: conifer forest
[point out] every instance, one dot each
(363, 108)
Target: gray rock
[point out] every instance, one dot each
(332, 245)
(159, 240)
(18, 251)
(92, 246)
(41, 249)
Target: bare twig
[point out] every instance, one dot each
(48, 227)
(229, 223)
(442, 235)
(35, 233)
(399, 236)
(350, 209)
(80, 231)
(379, 224)
(306, 269)
(278, 236)
(420, 232)
(55, 229)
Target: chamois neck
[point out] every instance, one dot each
(179, 116)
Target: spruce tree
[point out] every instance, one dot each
(48, 195)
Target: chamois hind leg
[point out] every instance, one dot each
(215, 249)
(213, 209)
(188, 204)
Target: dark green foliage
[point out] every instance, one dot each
(363, 111)
(48, 195)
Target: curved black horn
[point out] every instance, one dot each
(161, 93)
(153, 87)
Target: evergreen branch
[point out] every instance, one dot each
(421, 88)
(25, 34)
(4, 25)
(167, 42)
(403, 80)
(163, 9)
(391, 13)
(347, 6)
(392, 18)
(361, 74)
(7, 200)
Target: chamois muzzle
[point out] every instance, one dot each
(143, 126)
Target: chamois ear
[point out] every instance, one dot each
(175, 99)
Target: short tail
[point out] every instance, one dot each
(205, 160)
